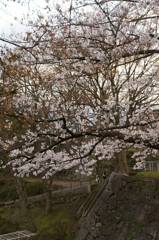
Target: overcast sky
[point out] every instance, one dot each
(12, 13)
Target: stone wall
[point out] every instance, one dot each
(126, 208)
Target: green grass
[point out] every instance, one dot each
(148, 174)
(57, 225)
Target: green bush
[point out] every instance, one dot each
(149, 174)
(7, 190)
(35, 188)
(57, 227)
(6, 226)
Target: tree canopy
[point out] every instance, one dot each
(80, 87)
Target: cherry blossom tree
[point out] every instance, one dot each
(82, 87)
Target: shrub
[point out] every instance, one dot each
(57, 227)
(6, 226)
(35, 188)
(7, 190)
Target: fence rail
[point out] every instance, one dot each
(86, 188)
(17, 235)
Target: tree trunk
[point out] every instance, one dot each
(48, 206)
(23, 203)
(121, 164)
